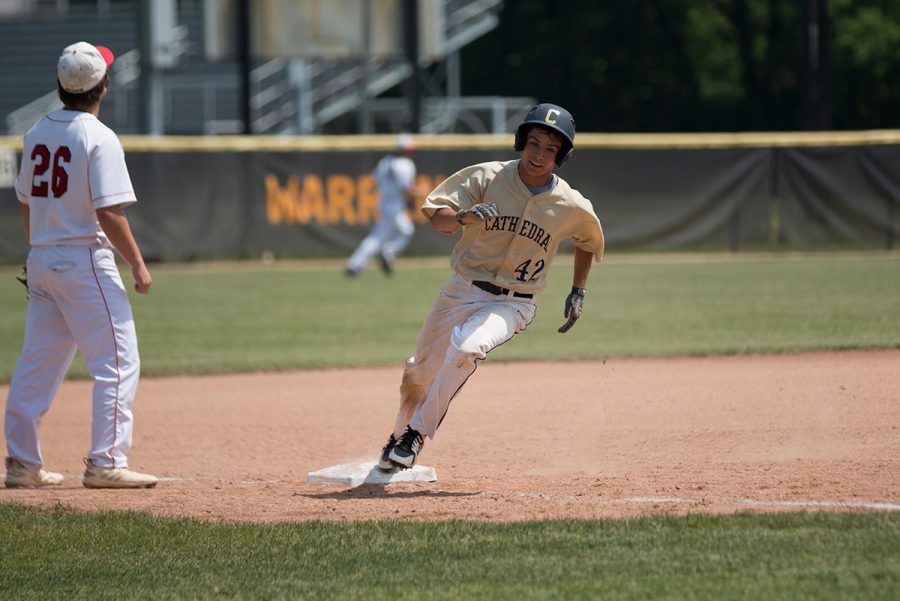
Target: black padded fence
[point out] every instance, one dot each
(230, 198)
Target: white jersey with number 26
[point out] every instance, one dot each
(72, 165)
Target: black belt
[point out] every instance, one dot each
(495, 289)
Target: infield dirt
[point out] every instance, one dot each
(522, 441)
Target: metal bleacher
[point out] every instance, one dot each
(294, 96)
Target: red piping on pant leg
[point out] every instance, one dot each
(116, 345)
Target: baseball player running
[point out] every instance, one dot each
(395, 175)
(513, 216)
(72, 187)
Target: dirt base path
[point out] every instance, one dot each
(523, 441)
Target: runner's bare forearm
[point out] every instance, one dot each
(583, 261)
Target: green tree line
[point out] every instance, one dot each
(697, 65)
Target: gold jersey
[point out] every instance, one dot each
(514, 250)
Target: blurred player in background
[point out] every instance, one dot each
(513, 216)
(395, 175)
(72, 187)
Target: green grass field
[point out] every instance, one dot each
(255, 318)
(55, 554)
(248, 317)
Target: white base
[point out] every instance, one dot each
(355, 474)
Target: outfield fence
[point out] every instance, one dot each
(232, 196)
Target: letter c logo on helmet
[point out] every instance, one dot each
(553, 117)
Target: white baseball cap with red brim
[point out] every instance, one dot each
(82, 66)
(405, 143)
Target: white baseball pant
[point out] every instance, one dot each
(465, 324)
(77, 300)
(389, 237)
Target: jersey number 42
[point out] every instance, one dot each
(523, 270)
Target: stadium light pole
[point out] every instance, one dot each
(816, 69)
(150, 103)
(411, 48)
(244, 61)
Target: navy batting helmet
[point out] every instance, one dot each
(552, 117)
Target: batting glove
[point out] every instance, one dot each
(479, 212)
(572, 312)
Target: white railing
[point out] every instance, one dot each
(272, 104)
(20, 120)
(463, 114)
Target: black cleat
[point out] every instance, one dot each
(407, 449)
(384, 462)
(386, 266)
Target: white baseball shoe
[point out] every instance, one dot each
(19, 476)
(115, 477)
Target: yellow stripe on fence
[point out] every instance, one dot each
(383, 142)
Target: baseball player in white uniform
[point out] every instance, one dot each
(72, 187)
(513, 216)
(395, 175)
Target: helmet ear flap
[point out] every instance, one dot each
(564, 155)
(519, 145)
